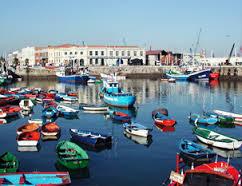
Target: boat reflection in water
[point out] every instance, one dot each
(96, 148)
(79, 173)
(165, 129)
(222, 152)
(50, 138)
(29, 149)
(146, 141)
(214, 83)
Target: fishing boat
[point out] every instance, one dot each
(216, 173)
(161, 119)
(8, 163)
(115, 96)
(29, 127)
(26, 105)
(202, 119)
(63, 77)
(35, 178)
(37, 121)
(216, 139)
(9, 111)
(178, 76)
(50, 112)
(120, 117)
(93, 107)
(50, 129)
(71, 155)
(194, 152)
(136, 129)
(28, 138)
(90, 138)
(67, 111)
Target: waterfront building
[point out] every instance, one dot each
(162, 57)
(82, 55)
(220, 61)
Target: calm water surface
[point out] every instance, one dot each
(130, 161)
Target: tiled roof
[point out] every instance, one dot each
(153, 52)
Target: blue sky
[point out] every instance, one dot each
(165, 24)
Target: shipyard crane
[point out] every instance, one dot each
(227, 62)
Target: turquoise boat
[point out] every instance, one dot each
(115, 96)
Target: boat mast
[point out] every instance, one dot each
(196, 46)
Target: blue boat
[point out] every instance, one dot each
(193, 76)
(50, 112)
(201, 119)
(113, 95)
(35, 178)
(71, 78)
(194, 152)
(90, 138)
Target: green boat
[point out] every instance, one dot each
(225, 122)
(71, 155)
(8, 163)
(98, 81)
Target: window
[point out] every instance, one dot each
(96, 61)
(102, 61)
(102, 53)
(128, 53)
(75, 53)
(65, 53)
(117, 53)
(90, 61)
(123, 53)
(70, 53)
(141, 53)
(135, 53)
(90, 53)
(111, 53)
(96, 53)
(81, 53)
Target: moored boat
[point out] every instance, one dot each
(37, 121)
(195, 153)
(29, 127)
(67, 111)
(237, 117)
(161, 119)
(9, 111)
(28, 138)
(35, 178)
(71, 155)
(120, 117)
(50, 112)
(201, 119)
(93, 107)
(26, 104)
(8, 163)
(50, 129)
(216, 139)
(90, 138)
(136, 129)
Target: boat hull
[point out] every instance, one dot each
(200, 75)
(119, 100)
(73, 79)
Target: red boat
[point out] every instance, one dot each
(214, 75)
(28, 138)
(29, 127)
(50, 129)
(8, 111)
(217, 173)
(121, 117)
(74, 94)
(9, 100)
(161, 119)
(165, 129)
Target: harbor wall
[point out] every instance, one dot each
(152, 72)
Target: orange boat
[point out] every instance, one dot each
(50, 129)
(74, 94)
(28, 138)
(29, 127)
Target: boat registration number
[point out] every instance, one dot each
(176, 177)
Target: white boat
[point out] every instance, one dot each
(238, 117)
(217, 140)
(70, 98)
(138, 139)
(90, 107)
(28, 139)
(136, 129)
(171, 80)
(113, 76)
(67, 111)
(26, 104)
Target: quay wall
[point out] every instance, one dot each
(153, 72)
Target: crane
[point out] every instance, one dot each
(227, 62)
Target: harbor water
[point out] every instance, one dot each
(130, 160)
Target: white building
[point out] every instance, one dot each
(217, 61)
(99, 55)
(27, 53)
